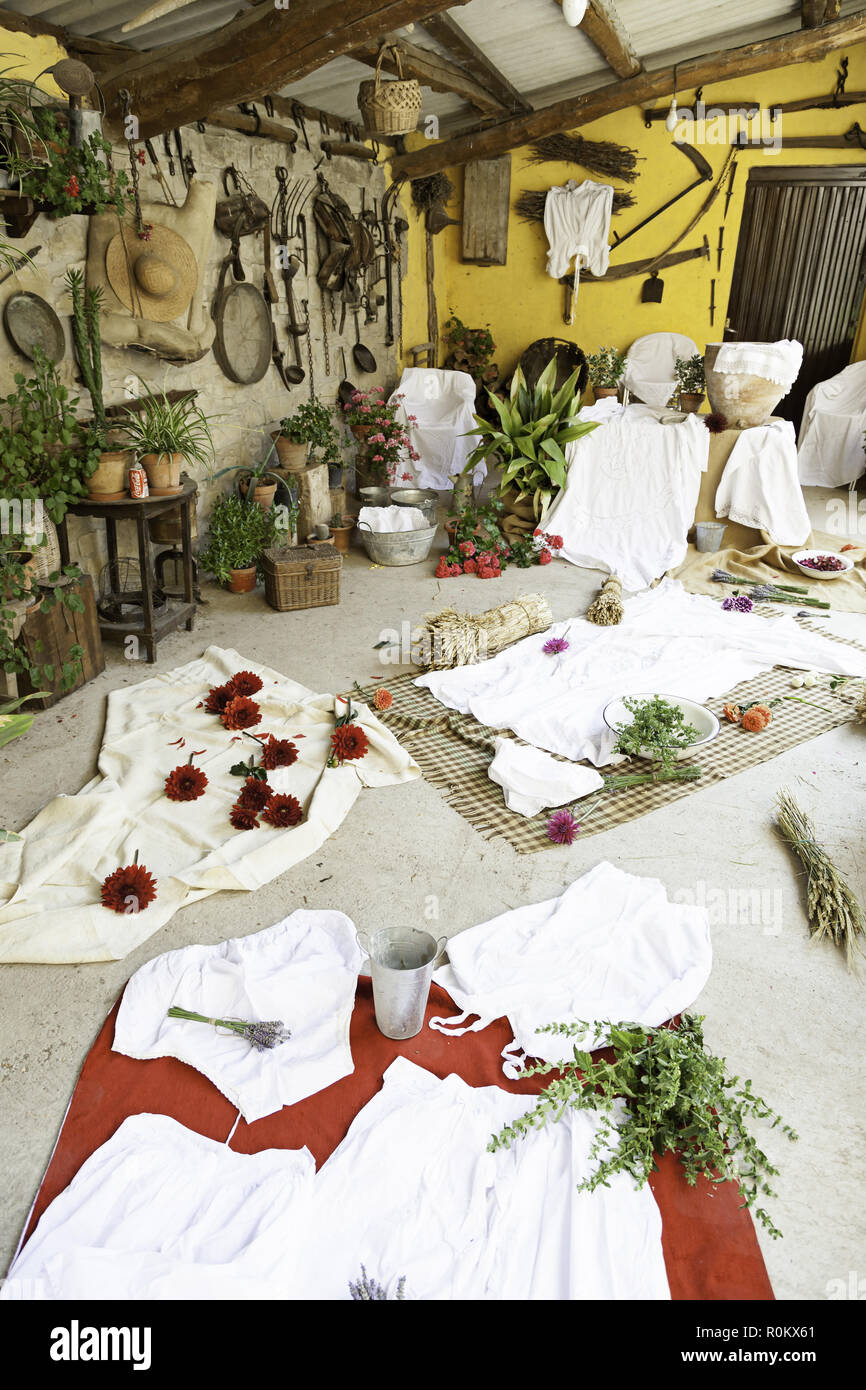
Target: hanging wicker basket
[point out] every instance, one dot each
(390, 108)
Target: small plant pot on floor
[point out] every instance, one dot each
(109, 482)
(163, 473)
(242, 581)
(342, 535)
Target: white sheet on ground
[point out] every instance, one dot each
(631, 495)
(303, 971)
(531, 780)
(760, 486)
(670, 642)
(610, 948)
(50, 882)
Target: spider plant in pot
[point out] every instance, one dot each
(238, 532)
(166, 434)
(529, 439)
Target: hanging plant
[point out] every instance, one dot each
(74, 179)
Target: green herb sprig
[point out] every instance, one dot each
(658, 729)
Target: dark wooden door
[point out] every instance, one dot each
(800, 270)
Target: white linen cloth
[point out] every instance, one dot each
(159, 1211)
(390, 519)
(832, 432)
(50, 908)
(630, 495)
(650, 372)
(444, 432)
(303, 971)
(532, 780)
(577, 223)
(779, 362)
(670, 642)
(611, 948)
(760, 485)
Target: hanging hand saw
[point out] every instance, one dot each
(705, 173)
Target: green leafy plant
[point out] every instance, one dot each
(658, 730)
(530, 435)
(606, 367)
(238, 532)
(313, 424)
(86, 305)
(470, 350)
(17, 588)
(677, 1097)
(74, 179)
(690, 375)
(161, 426)
(45, 451)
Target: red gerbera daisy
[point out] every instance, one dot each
(243, 818)
(185, 783)
(283, 811)
(130, 889)
(245, 683)
(255, 794)
(241, 713)
(218, 698)
(349, 742)
(278, 752)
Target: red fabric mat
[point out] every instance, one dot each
(710, 1247)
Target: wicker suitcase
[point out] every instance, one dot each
(302, 576)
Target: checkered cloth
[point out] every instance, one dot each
(454, 751)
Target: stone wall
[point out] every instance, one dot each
(243, 416)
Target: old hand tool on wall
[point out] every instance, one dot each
(705, 173)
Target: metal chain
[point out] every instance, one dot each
(142, 228)
(324, 335)
(306, 308)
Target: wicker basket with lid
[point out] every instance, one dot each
(302, 576)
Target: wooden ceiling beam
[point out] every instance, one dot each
(454, 38)
(434, 71)
(75, 43)
(259, 51)
(815, 12)
(804, 45)
(604, 28)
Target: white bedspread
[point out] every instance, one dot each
(831, 445)
(760, 485)
(670, 642)
(631, 495)
(50, 908)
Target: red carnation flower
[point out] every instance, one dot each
(218, 698)
(278, 752)
(443, 570)
(283, 811)
(255, 795)
(185, 784)
(349, 742)
(241, 713)
(71, 186)
(131, 889)
(243, 818)
(545, 557)
(245, 683)
(467, 548)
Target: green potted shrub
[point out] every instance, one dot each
(691, 383)
(258, 482)
(70, 179)
(470, 350)
(238, 532)
(606, 369)
(45, 451)
(311, 428)
(167, 434)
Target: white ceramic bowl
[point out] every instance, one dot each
(802, 555)
(616, 717)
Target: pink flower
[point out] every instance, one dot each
(562, 828)
(470, 567)
(356, 397)
(466, 548)
(537, 531)
(364, 409)
(545, 557)
(443, 569)
(555, 542)
(455, 570)
(413, 419)
(407, 477)
(377, 458)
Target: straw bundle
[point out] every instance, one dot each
(530, 204)
(461, 639)
(861, 706)
(600, 156)
(608, 608)
(834, 912)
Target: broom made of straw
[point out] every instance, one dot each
(834, 912)
(599, 156)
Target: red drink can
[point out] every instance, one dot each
(138, 482)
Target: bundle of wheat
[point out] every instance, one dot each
(599, 156)
(608, 608)
(834, 912)
(461, 639)
(861, 706)
(530, 204)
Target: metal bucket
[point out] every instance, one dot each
(422, 498)
(397, 547)
(401, 965)
(375, 496)
(708, 535)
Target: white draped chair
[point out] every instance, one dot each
(830, 447)
(443, 404)
(651, 374)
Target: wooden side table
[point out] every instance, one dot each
(153, 624)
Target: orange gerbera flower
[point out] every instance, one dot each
(755, 720)
(383, 699)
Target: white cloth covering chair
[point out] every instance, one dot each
(830, 452)
(443, 404)
(650, 374)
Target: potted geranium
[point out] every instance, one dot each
(238, 532)
(691, 383)
(606, 369)
(384, 441)
(73, 179)
(166, 434)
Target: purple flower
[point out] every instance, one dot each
(562, 828)
(554, 646)
(741, 604)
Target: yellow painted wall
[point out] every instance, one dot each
(521, 302)
(24, 58)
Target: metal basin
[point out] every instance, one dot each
(375, 496)
(424, 498)
(397, 547)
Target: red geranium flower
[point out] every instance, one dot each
(545, 557)
(218, 698)
(278, 752)
(349, 742)
(255, 795)
(131, 889)
(283, 811)
(245, 683)
(185, 783)
(241, 713)
(242, 818)
(71, 186)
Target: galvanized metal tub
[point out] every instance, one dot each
(424, 499)
(397, 547)
(375, 496)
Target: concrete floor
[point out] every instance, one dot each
(782, 1012)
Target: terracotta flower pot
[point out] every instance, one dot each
(342, 535)
(242, 581)
(163, 473)
(263, 493)
(601, 391)
(109, 482)
(292, 457)
(691, 401)
(168, 528)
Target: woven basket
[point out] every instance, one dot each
(390, 108)
(46, 556)
(303, 576)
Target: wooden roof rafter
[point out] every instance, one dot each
(816, 12)
(453, 37)
(604, 28)
(433, 70)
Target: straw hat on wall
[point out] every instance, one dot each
(155, 278)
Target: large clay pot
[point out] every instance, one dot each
(242, 581)
(163, 473)
(744, 400)
(263, 493)
(109, 482)
(292, 457)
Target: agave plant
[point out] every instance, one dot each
(535, 427)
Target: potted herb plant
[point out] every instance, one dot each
(238, 532)
(606, 369)
(691, 383)
(166, 434)
(341, 528)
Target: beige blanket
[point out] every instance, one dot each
(771, 562)
(50, 881)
